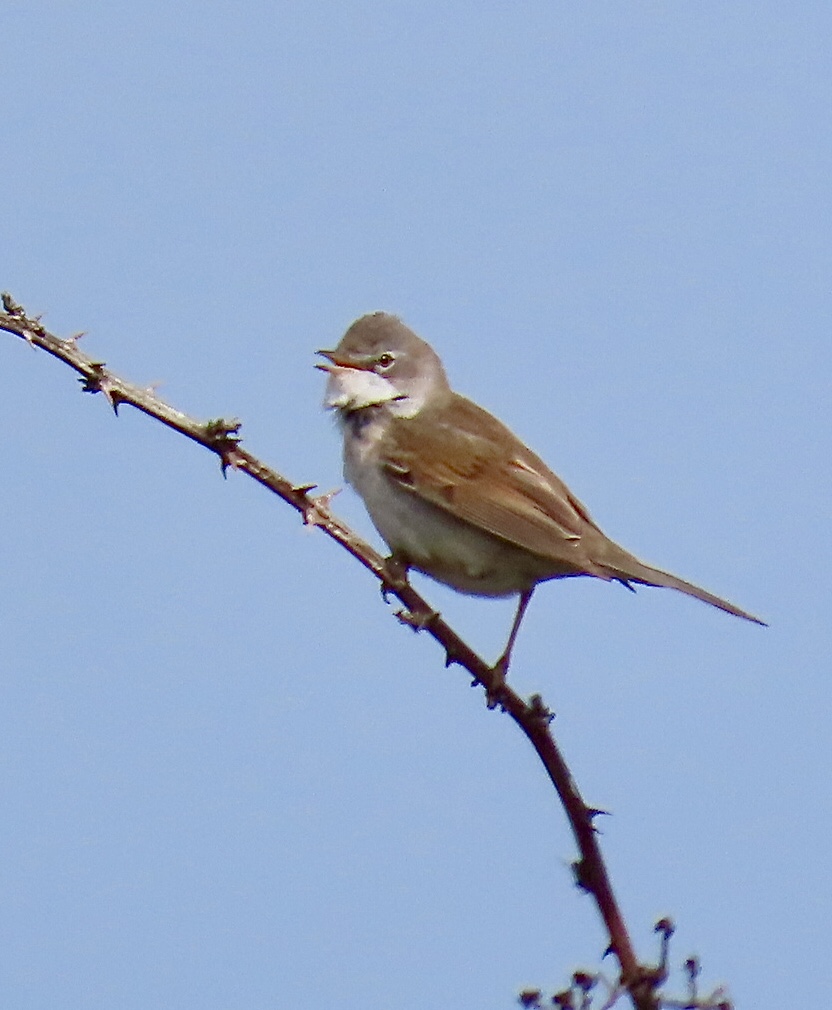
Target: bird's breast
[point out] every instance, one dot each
(432, 540)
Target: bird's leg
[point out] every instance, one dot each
(500, 668)
(501, 665)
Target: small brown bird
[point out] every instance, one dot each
(453, 492)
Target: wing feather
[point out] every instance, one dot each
(463, 460)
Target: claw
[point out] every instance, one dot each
(497, 682)
(396, 577)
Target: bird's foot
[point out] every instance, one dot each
(496, 685)
(395, 576)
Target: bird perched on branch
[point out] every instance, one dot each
(452, 491)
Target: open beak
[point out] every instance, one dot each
(352, 383)
(331, 359)
(335, 360)
(329, 355)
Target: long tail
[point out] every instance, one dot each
(636, 571)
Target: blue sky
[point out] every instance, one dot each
(229, 778)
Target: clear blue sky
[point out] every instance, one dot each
(228, 779)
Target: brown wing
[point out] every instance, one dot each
(463, 460)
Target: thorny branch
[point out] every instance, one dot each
(221, 436)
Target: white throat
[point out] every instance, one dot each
(349, 389)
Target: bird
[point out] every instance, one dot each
(453, 492)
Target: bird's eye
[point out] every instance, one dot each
(385, 360)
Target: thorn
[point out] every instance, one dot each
(581, 873)
(450, 658)
(592, 813)
(317, 512)
(230, 458)
(105, 386)
(76, 337)
(222, 436)
(304, 488)
(101, 382)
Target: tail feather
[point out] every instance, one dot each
(647, 576)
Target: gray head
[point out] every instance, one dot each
(380, 361)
